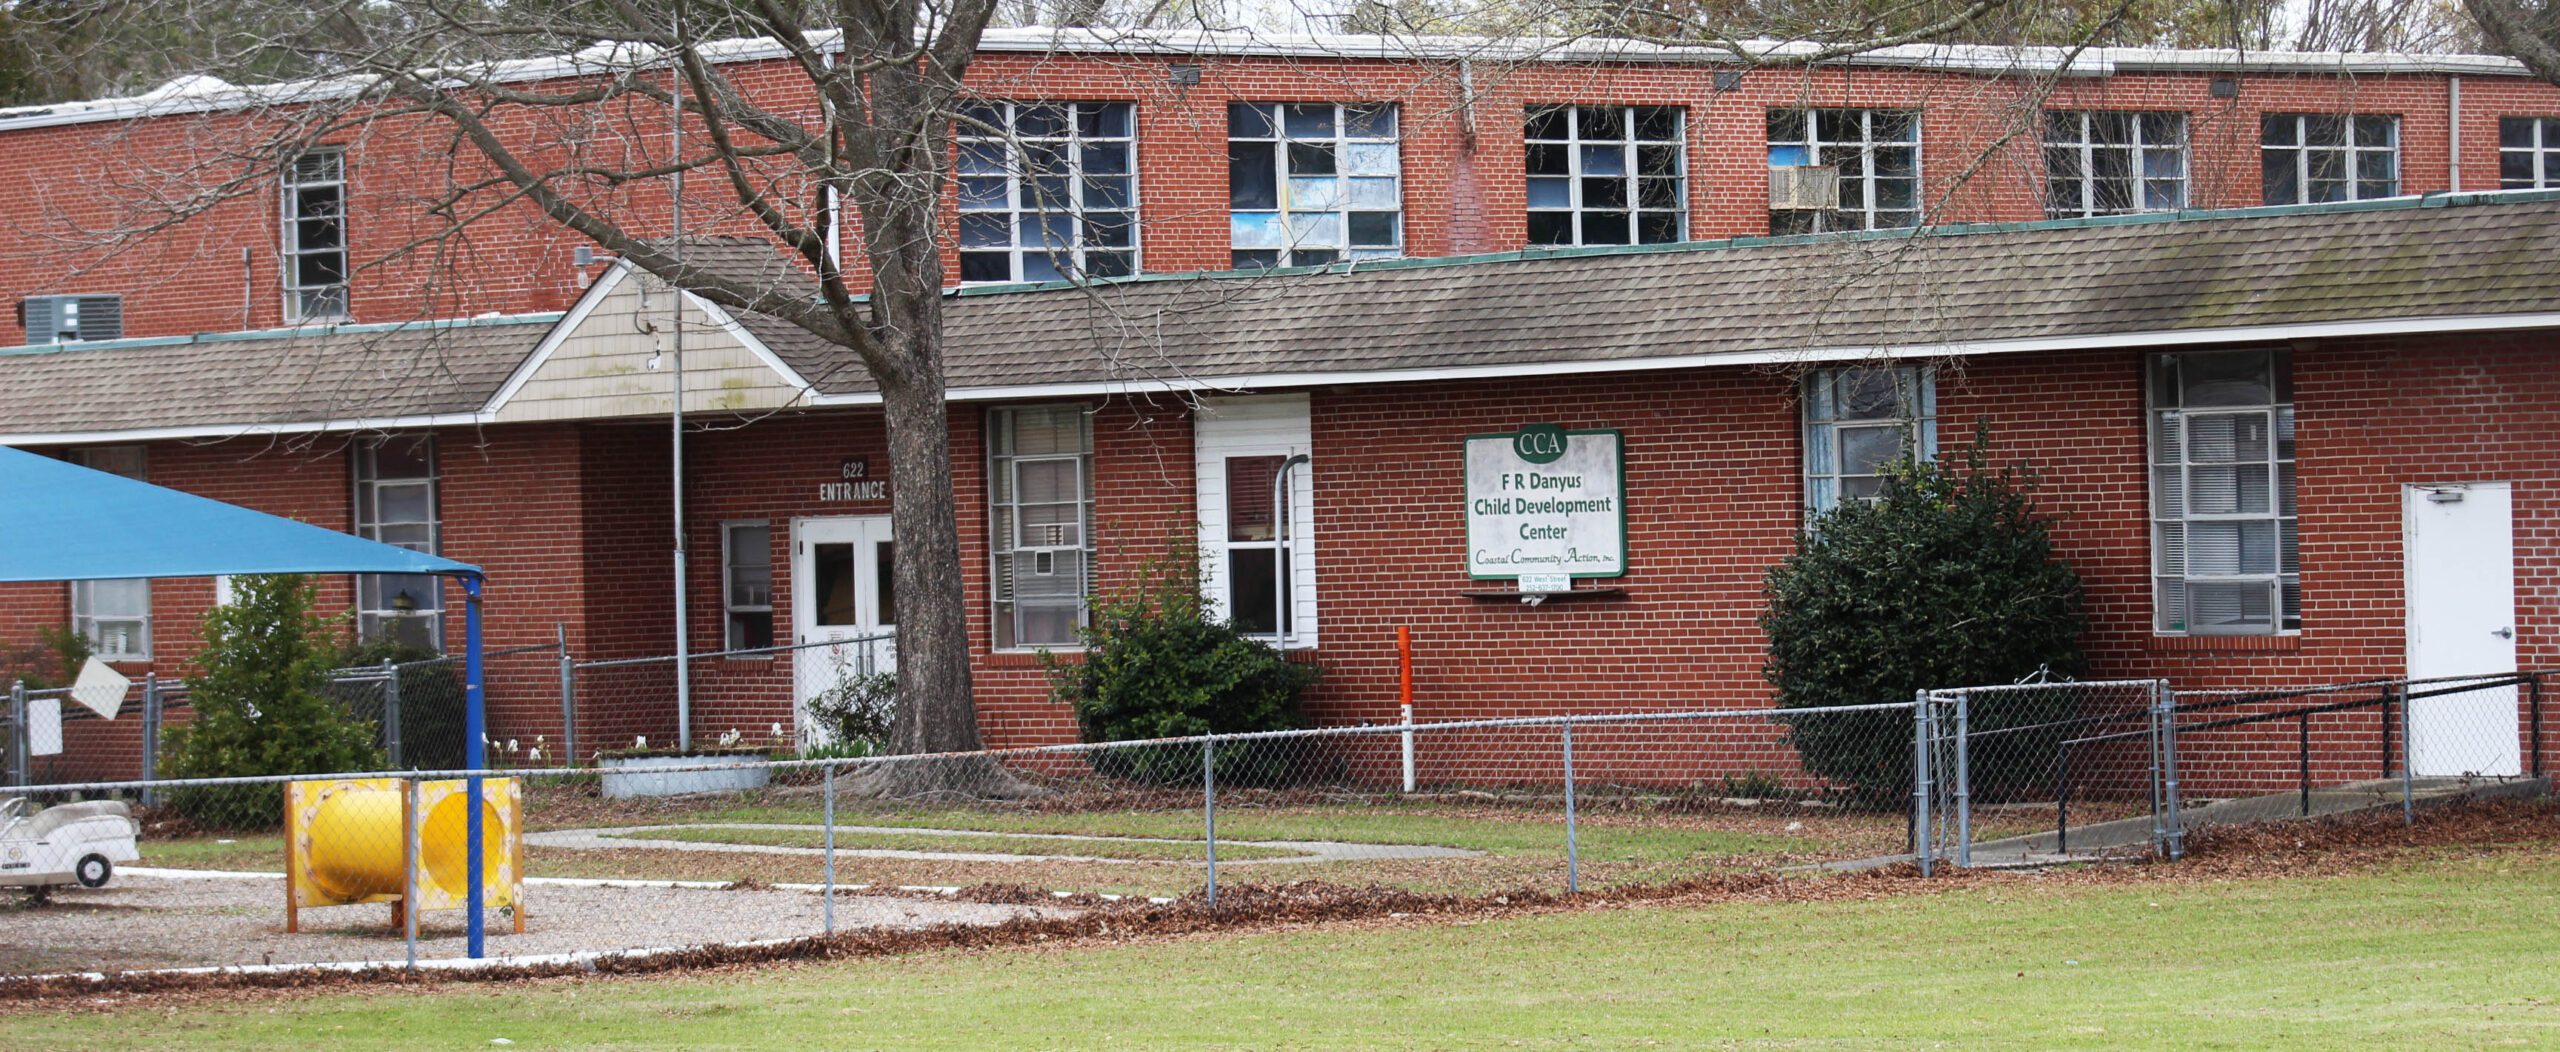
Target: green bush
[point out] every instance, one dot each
(1948, 579)
(53, 660)
(1155, 665)
(856, 712)
(262, 707)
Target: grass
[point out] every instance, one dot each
(2433, 953)
(997, 843)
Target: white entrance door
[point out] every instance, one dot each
(2462, 619)
(843, 595)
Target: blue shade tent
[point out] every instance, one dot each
(63, 522)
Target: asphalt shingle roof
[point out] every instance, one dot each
(2452, 257)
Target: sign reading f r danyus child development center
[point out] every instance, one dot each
(1543, 501)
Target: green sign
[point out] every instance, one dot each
(1544, 502)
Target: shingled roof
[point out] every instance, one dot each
(2447, 263)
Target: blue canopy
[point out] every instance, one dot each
(63, 522)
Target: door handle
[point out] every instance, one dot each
(2504, 633)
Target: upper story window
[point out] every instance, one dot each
(1877, 153)
(1606, 175)
(1859, 422)
(115, 616)
(315, 236)
(1313, 183)
(396, 504)
(2100, 163)
(746, 585)
(2223, 530)
(1040, 511)
(1048, 191)
(2316, 157)
(2528, 153)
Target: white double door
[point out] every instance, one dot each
(2460, 562)
(844, 598)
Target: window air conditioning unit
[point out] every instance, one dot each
(1804, 188)
(65, 319)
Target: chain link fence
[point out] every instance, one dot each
(679, 852)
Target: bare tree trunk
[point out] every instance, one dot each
(2531, 34)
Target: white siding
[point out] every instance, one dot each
(1271, 425)
(601, 367)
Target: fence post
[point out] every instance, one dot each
(2533, 719)
(2302, 758)
(1572, 842)
(1404, 691)
(19, 774)
(2062, 799)
(2386, 732)
(150, 737)
(409, 868)
(1923, 844)
(2408, 774)
(2177, 821)
(568, 694)
(1209, 811)
(1964, 780)
(827, 772)
(391, 711)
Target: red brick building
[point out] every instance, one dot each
(2240, 417)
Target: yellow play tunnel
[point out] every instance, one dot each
(346, 841)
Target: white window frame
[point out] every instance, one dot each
(730, 607)
(1825, 429)
(1631, 176)
(375, 593)
(1006, 544)
(1831, 152)
(2541, 152)
(1313, 213)
(2141, 146)
(1256, 426)
(2172, 514)
(1031, 258)
(87, 597)
(327, 301)
(2354, 154)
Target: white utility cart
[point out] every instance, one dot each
(64, 844)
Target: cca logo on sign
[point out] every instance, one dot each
(1539, 443)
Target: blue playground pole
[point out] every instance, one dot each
(475, 728)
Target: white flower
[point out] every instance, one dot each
(777, 730)
(640, 741)
(535, 754)
(511, 746)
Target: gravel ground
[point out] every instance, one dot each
(160, 922)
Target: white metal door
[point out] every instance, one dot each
(843, 593)
(2461, 592)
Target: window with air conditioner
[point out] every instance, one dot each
(1876, 154)
(1040, 511)
(71, 319)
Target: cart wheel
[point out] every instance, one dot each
(93, 871)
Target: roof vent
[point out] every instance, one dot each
(68, 319)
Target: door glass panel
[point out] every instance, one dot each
(884, 569)
(831, 582)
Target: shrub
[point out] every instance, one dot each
(53, 660)
(1948, 579)
(1156, 665)
(433, 701)
(262, 706)
(856, 712)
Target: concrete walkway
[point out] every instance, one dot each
(625, 837)
(2132, 836)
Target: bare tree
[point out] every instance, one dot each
(2526, 29)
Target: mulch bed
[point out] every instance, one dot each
(2331, 846)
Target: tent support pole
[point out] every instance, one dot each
(475, 729)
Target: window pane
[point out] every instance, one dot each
(1253, 589)
(1249, 483)
(832, 584)
(1248, 121)
(1869, 450)
(884, 569)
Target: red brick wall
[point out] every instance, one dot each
(75, 183)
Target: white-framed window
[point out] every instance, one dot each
(1606, 175)
(1257, 527)
(1051, 195)
(115, 616)
(1040, 520)
(315, 236)
(395, 502)
(2528, 153)
(1859, 421)
(2310, 158)
(1877, 153)
(2102, 162)
(2226, 554)
(746, 584)
(1313, 183)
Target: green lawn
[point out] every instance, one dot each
(2451, 953)
(1134, 850)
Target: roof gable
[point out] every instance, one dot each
(607, 358)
